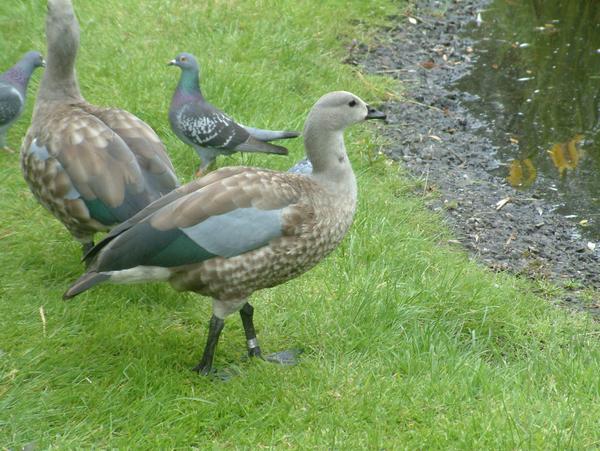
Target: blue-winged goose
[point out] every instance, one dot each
(240, 229)
(92, 167)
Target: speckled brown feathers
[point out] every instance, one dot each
(313, 225)
(262, 189)
(86, 156)
(91, 167)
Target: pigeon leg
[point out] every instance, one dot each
(199, 172)
(204, 167)
(215, 327)
(247, 314)
(207, 159)
(282, 358)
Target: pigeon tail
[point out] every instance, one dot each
(254, 145)
(270, 135)
(85, 282)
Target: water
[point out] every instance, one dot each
(537, 81)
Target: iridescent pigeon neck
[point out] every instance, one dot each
(189, 83)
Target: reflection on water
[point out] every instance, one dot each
(537, 80)
(522, 173)
(566, 155)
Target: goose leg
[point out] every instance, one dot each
(247, 314)
(215, 327)
(282, 358)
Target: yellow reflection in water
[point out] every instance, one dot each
(566, 155)
(522, 173)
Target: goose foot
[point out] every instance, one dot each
(285, 358)
(213, 373)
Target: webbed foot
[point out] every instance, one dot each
(213, 373)
(286, 358)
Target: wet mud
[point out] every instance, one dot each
(434, 135)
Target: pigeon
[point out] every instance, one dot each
(241, 229)
(91, 167)
(209, 130)
(13, 90)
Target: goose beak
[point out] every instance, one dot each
(374, 114)
(172, 63)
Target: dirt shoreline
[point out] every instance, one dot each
(438, 140)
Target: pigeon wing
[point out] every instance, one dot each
(11, 103)
(206, 126)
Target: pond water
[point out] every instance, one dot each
(537, 81)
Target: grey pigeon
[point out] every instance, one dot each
(239, 229)
(13, 90)
(209, 130)
(91, 167)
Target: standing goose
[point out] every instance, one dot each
(13, 90)
(92, 167)
(206, 128)
(239, 229)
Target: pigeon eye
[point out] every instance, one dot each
(183, 59)
(352, 103)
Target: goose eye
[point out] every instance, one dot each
(352, 103)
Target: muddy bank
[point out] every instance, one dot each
(434, 135)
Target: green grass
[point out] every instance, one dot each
(408, 343)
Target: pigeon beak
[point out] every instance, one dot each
(172, 63)
(374, 114)
(43, 62)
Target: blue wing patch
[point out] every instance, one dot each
(237, 231)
